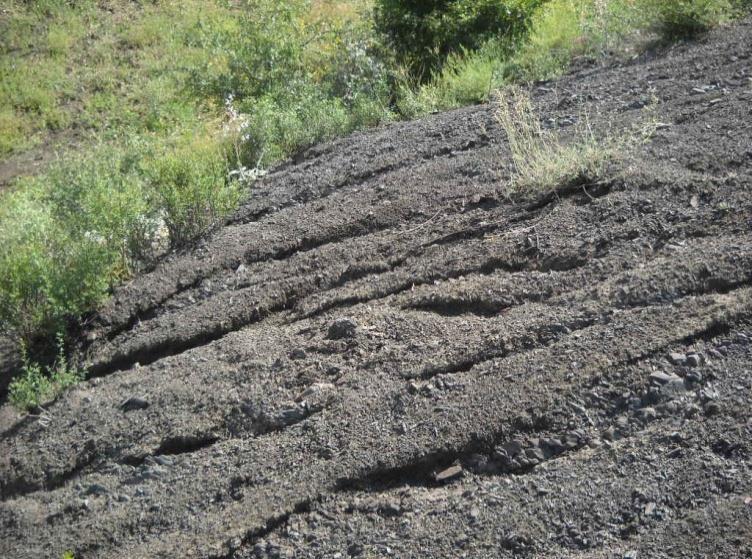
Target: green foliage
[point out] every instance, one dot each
(36, 385)
(680, 19)
(295, 80)
(424, 33)
(68, 236)
(192, 189)
(468, 77)
(564, 29)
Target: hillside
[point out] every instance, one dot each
(381, 354)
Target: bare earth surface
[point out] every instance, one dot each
(383, 356)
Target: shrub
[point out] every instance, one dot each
(423, 33)
(296, 79)
(68, 236)
(681, 19)
(467, 77)
(36, 385)
(65, 238)
(543, 162)
(192, 188)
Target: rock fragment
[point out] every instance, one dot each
(677, 358)
(342, 328)
(449, 474)
(134, 403)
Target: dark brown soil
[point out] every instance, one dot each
(383, 356)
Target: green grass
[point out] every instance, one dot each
(69, 235)
(36, 385)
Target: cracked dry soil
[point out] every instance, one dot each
(382, 356)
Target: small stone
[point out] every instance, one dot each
(123, 498)
(674, 453)
(610, 434)
(342, 328)
(674, 388)
(694, 360)
(631, 554)
(163, 460)
(292, 415)
(134, 403)
(151, 473)
(555, 446)
(659, 377)
(535, 454)
(573, 439)
(691, 410)
(317, 396)
(449, 474)
(693, 377)
(97, 489)
(512, 448)
(715, 354)
(712, 408)
(647, 414)
(298, 353)
(677, 358)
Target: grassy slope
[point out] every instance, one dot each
(97, 70)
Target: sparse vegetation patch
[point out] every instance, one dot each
(542, 161)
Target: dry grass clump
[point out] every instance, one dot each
(544, 162)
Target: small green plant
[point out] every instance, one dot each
(68, 555)
(543, 162)
(36, 385)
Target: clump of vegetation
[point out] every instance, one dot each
(543, 162)
(296, 72)
(68, 236)
(681, 19)
(424, 33)
(558, 32)
(35, 385)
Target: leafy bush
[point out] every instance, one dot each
(423, 33)
(36, 385)
(192, 189)
(48, 273)
(681, 19)
(68, 236)
(467, 77)
(295, 80)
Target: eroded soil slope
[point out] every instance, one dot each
(383, 356)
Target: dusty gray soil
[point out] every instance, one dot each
(382, 356)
